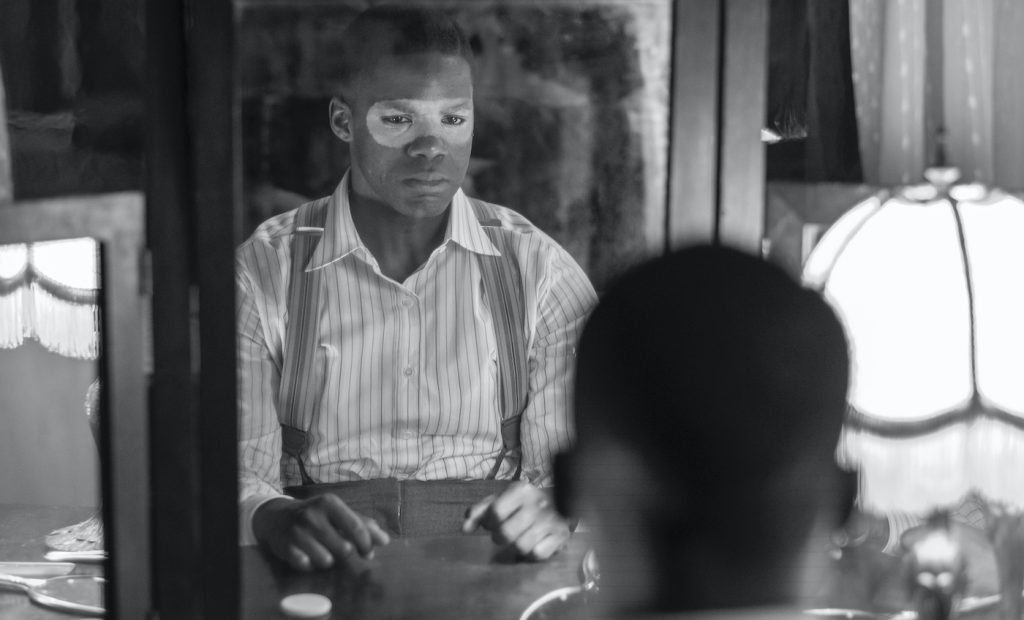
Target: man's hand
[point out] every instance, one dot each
(317, 532)
(521, 516)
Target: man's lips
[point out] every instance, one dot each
(426, 181)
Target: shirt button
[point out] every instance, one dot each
(408, 434)
(408, 303)
(408, 371)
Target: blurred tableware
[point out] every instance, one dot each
(81, 594)
(76, 556)
(36, 569)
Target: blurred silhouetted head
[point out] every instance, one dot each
(383, 31)
(710, 394)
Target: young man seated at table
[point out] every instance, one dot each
(409, 345)
(710, 393)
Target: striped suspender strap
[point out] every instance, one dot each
(503, 286)
(296, 401)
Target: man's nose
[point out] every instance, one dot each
(429, 146)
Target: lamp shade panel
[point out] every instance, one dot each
(930, 289)
(899, 286)
(994, 237)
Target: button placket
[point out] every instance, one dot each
(410, 384)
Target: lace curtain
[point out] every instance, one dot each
(980, 86)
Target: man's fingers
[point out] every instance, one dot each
(321, 529)
(517, 496)
(548, 546)
(349, 524)
(476, 513)
(514, 496)
(533, 532)
(514, 510)
(510, 528)
(296, 558)
(377, 533)
(317, 555)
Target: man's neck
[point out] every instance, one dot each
(400, 244)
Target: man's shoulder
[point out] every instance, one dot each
(530, 244)
(514, 225)
(278, 230)
(269, 245)
(274, 229)
(494, 215)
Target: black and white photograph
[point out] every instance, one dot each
(512, 309)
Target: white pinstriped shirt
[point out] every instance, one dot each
(411, 367)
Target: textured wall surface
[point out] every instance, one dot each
(47, 452)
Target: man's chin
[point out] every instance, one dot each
(424, 206)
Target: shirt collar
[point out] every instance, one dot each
(464, 228)
(340, 237)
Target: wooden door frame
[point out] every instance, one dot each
(193, 229)
(719, 89)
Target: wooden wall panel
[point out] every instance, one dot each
(693, 163)
(742, 174)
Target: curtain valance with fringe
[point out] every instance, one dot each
(49, 292)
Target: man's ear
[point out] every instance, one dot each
(341, 119)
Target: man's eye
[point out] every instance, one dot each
(454, 121)
(396, 120)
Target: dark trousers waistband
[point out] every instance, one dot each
(409, 507)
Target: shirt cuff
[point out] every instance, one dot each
(246, 509)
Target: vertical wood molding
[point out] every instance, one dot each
(214, 126)
(693, 159)
(125, 434)
(174, 402)
(192, 230)
(6, 181)
(742, 175)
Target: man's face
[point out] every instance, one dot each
(409, 121)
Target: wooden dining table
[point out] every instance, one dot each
(23, 530)
(422, 578)
(417, 578)
(450, 577)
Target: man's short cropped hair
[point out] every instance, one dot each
(721, 372)
(387, 30)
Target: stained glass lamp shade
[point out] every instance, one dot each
(930, 286)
